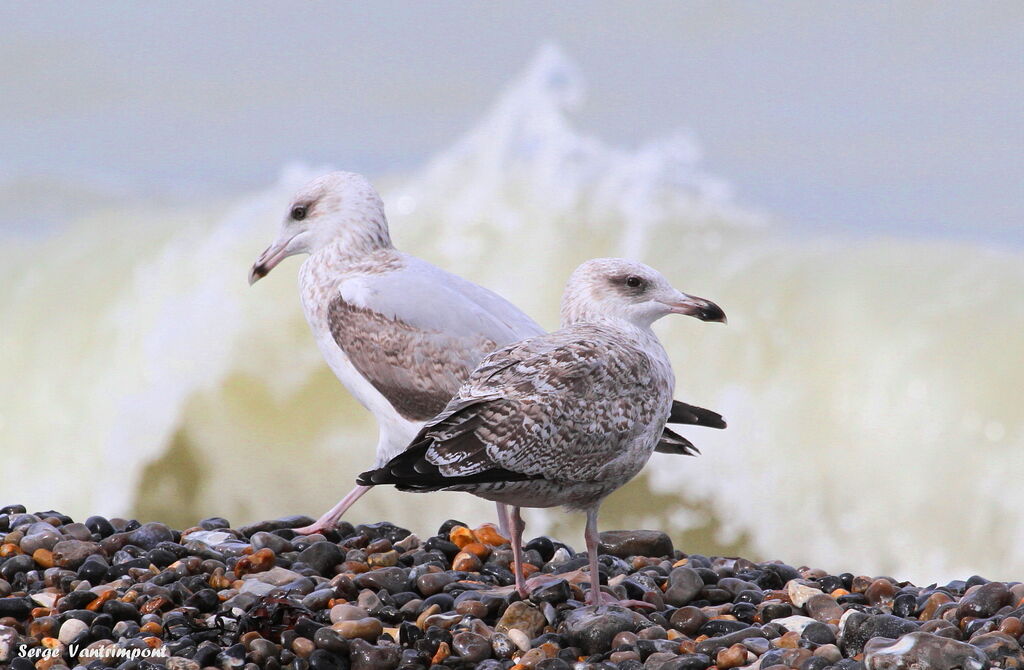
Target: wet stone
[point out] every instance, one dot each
(856, 628)
(1002, 650)
(922, 651)
(688, 620)
(554, 592)
(367, 628)
(322, 557)
(684, 584)
(626, 543)
(471, 647)
(524, 616)
(392, 580)
(593, 628)
(983, 601)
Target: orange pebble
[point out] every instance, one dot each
(152, 628)
(461, 536)
(43, 557)
(489, 535)
(839, 592)
(261, 561)
(443, 652)
(466, 562)
(478, 549)
(790, 640)
(95, 605)
(529, 569)
(154, 605)
(10, 550)
(354, 567)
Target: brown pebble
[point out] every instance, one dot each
(1012, 626)
(218, 582)
(366, 628)
(653, 633)
(303, 646)
(880, 592)
(473, 608)
(822, 607)
(688, 620)
(788, 641)
(42, 628)
(154, 605)
(861, 584)
(466, 562)
(152, 628)
(43, 557)
(421, 619)
(248, 638)
(385, 559)
(626, 637)
(10, 549)
(732, 657)
(355, 567)
(260, 561)
(378, 546)
(932, 605)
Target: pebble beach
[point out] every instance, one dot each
(115, 592)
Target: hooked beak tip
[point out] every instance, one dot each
(699, 308)
(711, 312)
(257, 273)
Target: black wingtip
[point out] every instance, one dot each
(691, 415)
(674, 443)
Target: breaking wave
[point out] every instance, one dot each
(872, 386)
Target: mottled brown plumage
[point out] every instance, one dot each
(562, 418)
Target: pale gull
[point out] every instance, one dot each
(401, 334)
(562, 418)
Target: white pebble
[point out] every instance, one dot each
(71, 629)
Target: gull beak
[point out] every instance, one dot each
(690, 305)
(268, 260)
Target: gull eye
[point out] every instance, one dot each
(632, 281)
(299, 212)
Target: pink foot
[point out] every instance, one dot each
(609, 599)
(313, 528)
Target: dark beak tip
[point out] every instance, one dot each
(712, 313)
(258, 272)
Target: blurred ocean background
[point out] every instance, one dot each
(846, 180)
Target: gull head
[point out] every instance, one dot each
(617, 289)
(339, 208)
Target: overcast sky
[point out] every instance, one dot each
(901, 117)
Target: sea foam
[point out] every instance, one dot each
(872, 386)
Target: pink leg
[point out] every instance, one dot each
(502, 518)
(590, 535)
(327, 521)
(516, 527)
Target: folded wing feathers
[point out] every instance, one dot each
(692, 415)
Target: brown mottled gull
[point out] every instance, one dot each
(563, 418)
